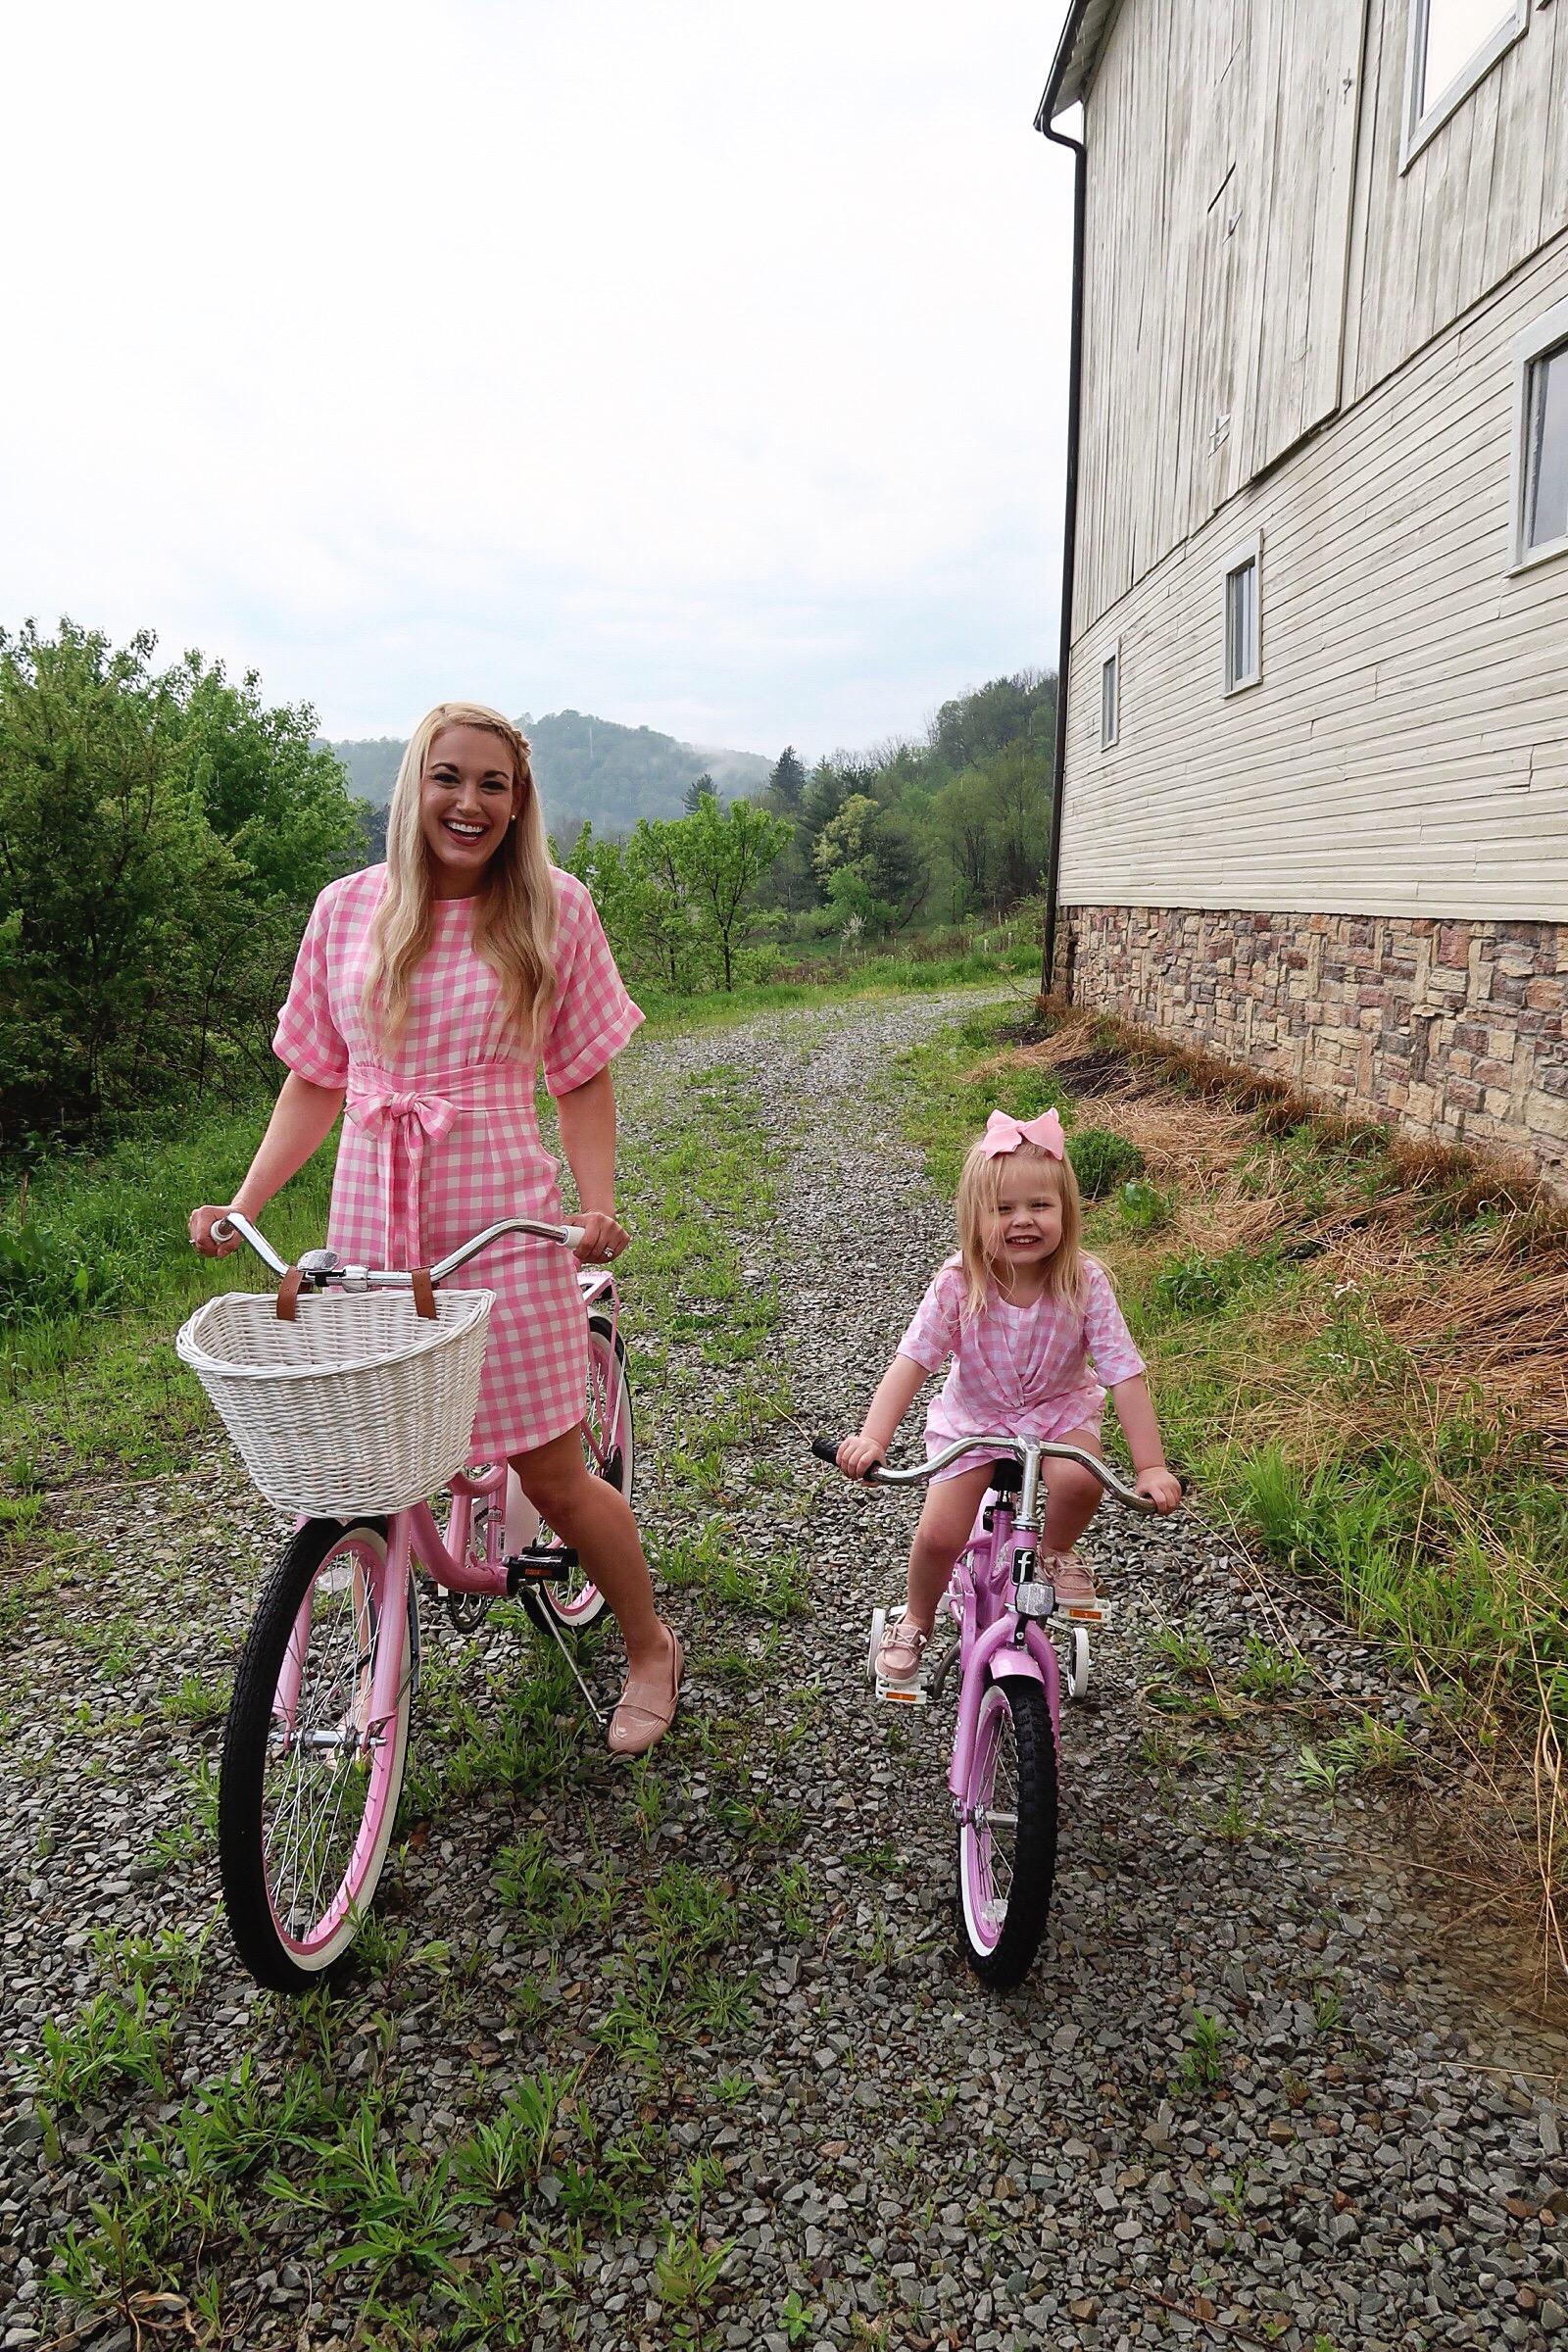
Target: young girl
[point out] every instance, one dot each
(1023, 1314)
(425, 992)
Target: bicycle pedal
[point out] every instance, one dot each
(902, 1695)
(1084, 1613)
(539, 1564)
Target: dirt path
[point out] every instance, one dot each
(1240, 2100)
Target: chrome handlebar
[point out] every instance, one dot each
(1018, 1449)
(323, 1266)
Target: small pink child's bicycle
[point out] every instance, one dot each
(1004, 1773)
(318, 1729)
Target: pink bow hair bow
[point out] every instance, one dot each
(1003, 1135)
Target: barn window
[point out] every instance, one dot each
(1453, 44)
(1540, 439)
(1110, 697)
(1243, 643)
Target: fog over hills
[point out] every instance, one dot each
(587, 768)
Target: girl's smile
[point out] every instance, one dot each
(468, 796)
(1026, 1223)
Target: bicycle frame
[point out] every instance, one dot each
(1001, 1616)
(992, 1635)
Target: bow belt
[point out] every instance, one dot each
(403, 1120)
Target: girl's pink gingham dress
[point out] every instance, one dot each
(1018, 1371)
(441, 1140)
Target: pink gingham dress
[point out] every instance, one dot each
(1018, 1371)
(441, 1140)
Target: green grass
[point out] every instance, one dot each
(88, 1378)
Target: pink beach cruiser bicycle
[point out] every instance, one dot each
(350, 1396)
(1004, 1772)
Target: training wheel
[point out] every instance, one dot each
(1077, 1677)
(879, 1620)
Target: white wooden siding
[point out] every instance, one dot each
(1255, 253)
(1485, 192)
(1221, 149)
(1406, 750)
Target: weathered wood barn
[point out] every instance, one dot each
(1313, 792)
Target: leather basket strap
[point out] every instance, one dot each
(424, 1289)
(288, 1291)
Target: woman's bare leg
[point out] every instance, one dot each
(595, 1519)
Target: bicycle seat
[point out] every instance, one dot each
(1007, 1478)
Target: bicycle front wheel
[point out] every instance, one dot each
(311, 1776)
(1008, 1835)
(609, 1451)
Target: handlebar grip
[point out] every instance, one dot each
(571, 1236)
(825, 1451)
(220, 1230)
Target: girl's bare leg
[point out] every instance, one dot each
(1073, 1496)
(590, 1515)
(945, 1517)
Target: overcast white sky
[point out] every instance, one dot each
(702, 365)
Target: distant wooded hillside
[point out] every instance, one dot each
(587, 768)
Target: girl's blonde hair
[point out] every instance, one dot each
(514, 913)
(979, 1185)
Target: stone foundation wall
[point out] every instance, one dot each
(1454, 1031)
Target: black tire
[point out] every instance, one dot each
(1005, 1869)
(304, 1825)
(579, 1604)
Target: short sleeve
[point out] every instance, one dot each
(933, 1336)
(591, 1016)
(1105, 1334)
(306, 1037)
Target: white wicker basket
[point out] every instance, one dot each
(357, 1404)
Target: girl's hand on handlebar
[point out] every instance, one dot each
(200, 1228)
(857, 1456)
(1162, 1488)
(603, 1239)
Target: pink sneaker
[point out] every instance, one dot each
(903, 1645)
(1064, 1570)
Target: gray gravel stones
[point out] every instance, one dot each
(1364, 2157)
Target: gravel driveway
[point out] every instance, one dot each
(1240, 2099)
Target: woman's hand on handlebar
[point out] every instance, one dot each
(200, 1228)
(602, 1238)
(1163, 1487)
(857, 1456)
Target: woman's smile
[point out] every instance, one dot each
(469, 796)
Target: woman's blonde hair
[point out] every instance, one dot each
(514, 913)
(979, 1185)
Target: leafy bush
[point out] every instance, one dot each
(1143, 1207)
(1102, 1161)
(161, 838)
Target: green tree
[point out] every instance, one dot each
(698, 790)
(722, 856)
(786, 786)
(871, 864)
(161, 840)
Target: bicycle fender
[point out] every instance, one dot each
(994, 1658)
(1018, 1665)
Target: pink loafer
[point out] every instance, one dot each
(647, 1707)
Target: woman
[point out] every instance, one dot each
(424, 992)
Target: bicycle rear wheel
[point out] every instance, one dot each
(309, 1780)
(610, 1450)
(1008, 1835)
